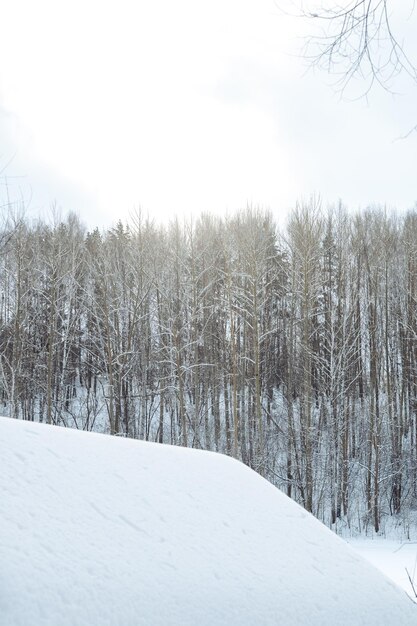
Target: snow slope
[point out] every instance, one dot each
(392, 557)
(98, 531)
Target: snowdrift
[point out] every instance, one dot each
(98, 531)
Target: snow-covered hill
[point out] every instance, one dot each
(98, 531)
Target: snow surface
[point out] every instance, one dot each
(392, 557)
(96, 530)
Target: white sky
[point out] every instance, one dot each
(186, 106)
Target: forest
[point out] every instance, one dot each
(292, 349)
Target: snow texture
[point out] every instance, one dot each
(96, 530)
(392, 557)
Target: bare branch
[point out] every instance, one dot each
(358, 40)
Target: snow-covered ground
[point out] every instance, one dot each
(97, 530)
(393, 558)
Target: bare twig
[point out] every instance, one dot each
(411, 582)
(357, 40)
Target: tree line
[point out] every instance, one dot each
(293, 350)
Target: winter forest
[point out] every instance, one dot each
(292, 349)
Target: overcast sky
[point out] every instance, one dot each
(186, 106)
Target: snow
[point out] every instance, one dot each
(392, 557)
(98, 530)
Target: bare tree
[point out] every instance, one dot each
(358, 38)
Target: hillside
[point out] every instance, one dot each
(98, 530)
